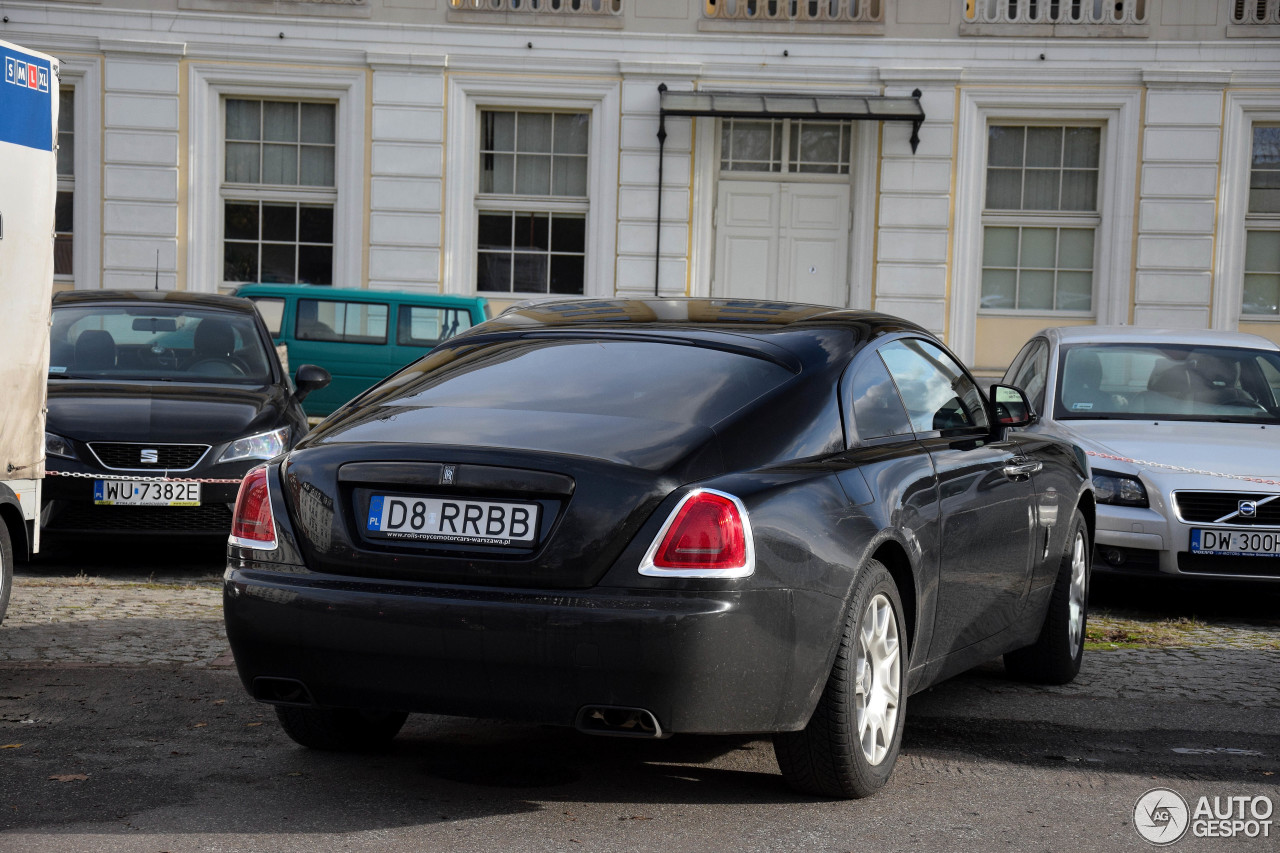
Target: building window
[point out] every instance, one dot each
(785, 146)
(1262, 226)
(278, 191)
(1041, 217)
(64, 206)
(532, 202)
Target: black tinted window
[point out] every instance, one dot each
(654, 381)
(877, 411)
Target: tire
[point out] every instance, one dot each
(340, 729)
(6, 568)
(850, 745)
(1054, 658)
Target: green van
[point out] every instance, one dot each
(359, 336)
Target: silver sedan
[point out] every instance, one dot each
(1182, 431)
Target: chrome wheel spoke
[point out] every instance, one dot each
(1076, 593)
(878, 671)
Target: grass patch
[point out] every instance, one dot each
(1104, 631)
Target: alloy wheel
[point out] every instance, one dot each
(1076, 602)
(879, 679)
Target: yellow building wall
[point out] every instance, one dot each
(998, 339)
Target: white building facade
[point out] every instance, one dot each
(984, 168)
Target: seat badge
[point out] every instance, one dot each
(1248, 509)
(149, 456)
(446, 475)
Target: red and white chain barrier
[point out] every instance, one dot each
(149, 479)
(1147, 464)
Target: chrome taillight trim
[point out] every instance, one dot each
(748, 567)
(256, 544)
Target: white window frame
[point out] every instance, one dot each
(1055, 220)
(467, 96)
(1117, 114)
(210, 84)
(1243, 111)
(85, 76)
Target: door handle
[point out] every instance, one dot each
(1020, 467)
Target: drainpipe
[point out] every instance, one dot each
(657, 238)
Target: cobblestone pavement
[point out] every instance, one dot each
(179, 622)
(99, 621)
(123, 729)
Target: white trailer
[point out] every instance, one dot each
(28, 190)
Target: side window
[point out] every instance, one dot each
(1032, 373)
(272, 311)
(872, 407)
(349, 322)
(937, 392)
(421, 326)
(1271, 373)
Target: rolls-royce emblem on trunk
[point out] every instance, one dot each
(1248, 509)
(446, 476)
(149, 456)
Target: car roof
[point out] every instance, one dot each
(154, 297)
(356, 294)
(691, 314)
(1067, 335)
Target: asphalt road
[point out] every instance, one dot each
(124, 727)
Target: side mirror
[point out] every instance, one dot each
(1010, 406)
(310, 377)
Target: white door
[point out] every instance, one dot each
(782, 240)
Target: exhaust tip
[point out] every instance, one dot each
(282, 691)
(618, 721)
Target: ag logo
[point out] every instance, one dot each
(1161, 816)
(150, 456)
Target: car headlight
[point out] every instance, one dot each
(56, 445)
(1110, 487)
(264, 445)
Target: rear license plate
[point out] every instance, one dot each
(145, 493)
(1237, 543)
(452, 520)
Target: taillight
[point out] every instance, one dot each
(708, 535)
(252, 525)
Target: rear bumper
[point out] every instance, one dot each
(699, 661)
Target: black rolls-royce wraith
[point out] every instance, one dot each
(645, 517)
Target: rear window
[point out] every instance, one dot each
(630, 379)
(272, 310)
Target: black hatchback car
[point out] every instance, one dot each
(159, 402)
(646, 517)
